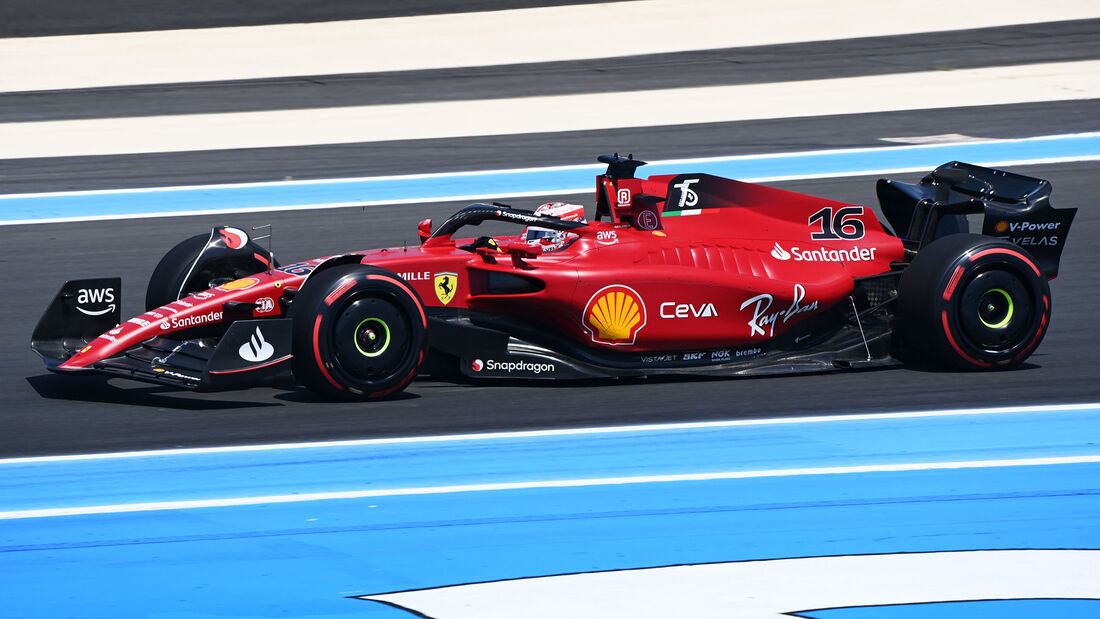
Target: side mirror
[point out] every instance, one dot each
(424, 230)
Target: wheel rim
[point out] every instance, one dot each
(370, 338)
(995, 308)
(996, 311)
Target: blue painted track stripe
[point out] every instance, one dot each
(79, 206)
(380, 467)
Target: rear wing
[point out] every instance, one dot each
(1014, 206)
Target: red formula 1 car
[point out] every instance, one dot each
(677, 274)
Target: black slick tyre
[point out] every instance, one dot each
(973, 302)
(359, 333)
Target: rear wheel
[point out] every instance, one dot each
(359, 333)
(974, 302)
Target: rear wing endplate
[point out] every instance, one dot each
(1015, 207)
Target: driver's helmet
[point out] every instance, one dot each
(553, 240)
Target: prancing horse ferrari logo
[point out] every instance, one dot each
(445, 286)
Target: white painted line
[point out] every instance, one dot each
(482, 39)
(529, 485)
(771, 589)
(667, 427)
(940, 138)
(1060, 81)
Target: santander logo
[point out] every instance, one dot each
(779, 253)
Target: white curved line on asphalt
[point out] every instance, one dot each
(772, 589)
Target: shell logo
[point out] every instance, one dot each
(614, 315)
(239, 284)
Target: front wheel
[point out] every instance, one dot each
(359, 333)
(973, 302)
(205, 261)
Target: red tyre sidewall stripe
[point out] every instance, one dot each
(1038, 334)
(412, 295)
(317, 354)
(339, 291)
(951, 340)
(1007, 252)
(955, 277)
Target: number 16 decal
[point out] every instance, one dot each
(843, 224)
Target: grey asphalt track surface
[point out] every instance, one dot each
(49, 414)
(42, 413)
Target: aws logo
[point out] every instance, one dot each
(614, 315)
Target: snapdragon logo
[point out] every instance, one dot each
(512, 366)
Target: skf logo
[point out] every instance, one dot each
(445, 286)
(614, 315)
(623, 197)
(688, 197)
(95, 296)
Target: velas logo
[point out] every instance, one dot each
(233, 238)
(239, 284)
(615, 315)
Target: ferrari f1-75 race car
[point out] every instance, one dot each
(675, 274)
